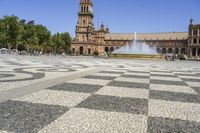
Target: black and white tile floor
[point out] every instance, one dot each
(135, 100)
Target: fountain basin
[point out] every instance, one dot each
(136, 56)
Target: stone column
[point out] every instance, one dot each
(84, 50)
(189, 52)
(197, 52)
(166, 50)
(179, 51)
(173, 50)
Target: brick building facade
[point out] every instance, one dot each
(88, 39)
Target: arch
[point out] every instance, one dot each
(170, 50)
(182, 50)
(193, 51)
(89, 51)
(176, 50)
(106, 49)
(158, 50)
(112, 49)
(81, 50)
(164, 50)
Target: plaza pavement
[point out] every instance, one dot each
(89, 95)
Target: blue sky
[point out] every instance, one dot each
(122, 16)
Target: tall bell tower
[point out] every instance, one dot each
(85, 25)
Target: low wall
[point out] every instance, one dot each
(136, 56)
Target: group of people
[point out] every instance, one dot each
(173, 57)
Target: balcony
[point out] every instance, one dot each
(195, 44)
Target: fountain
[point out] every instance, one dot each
(137, 49)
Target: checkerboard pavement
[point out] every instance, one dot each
(138, 100)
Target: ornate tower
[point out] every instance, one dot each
(87, 40)
(85, 25)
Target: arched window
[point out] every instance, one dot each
(84, 9)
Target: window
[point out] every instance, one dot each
(195, 41)
(194, 32)
(83, 9)
(73, 49)
(83, 21)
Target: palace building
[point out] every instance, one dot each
(88, 39)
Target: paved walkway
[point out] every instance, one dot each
(135, 96)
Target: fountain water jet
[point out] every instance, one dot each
(137, 49)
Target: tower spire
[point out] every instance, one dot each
(191, 21)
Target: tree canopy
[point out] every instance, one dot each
(25, 35)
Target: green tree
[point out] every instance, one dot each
(57, 43)
(61, 42)
(67, 41)
(26, 35)
(29, 36)
(43, 36)
(10, 30)
(2, 34)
